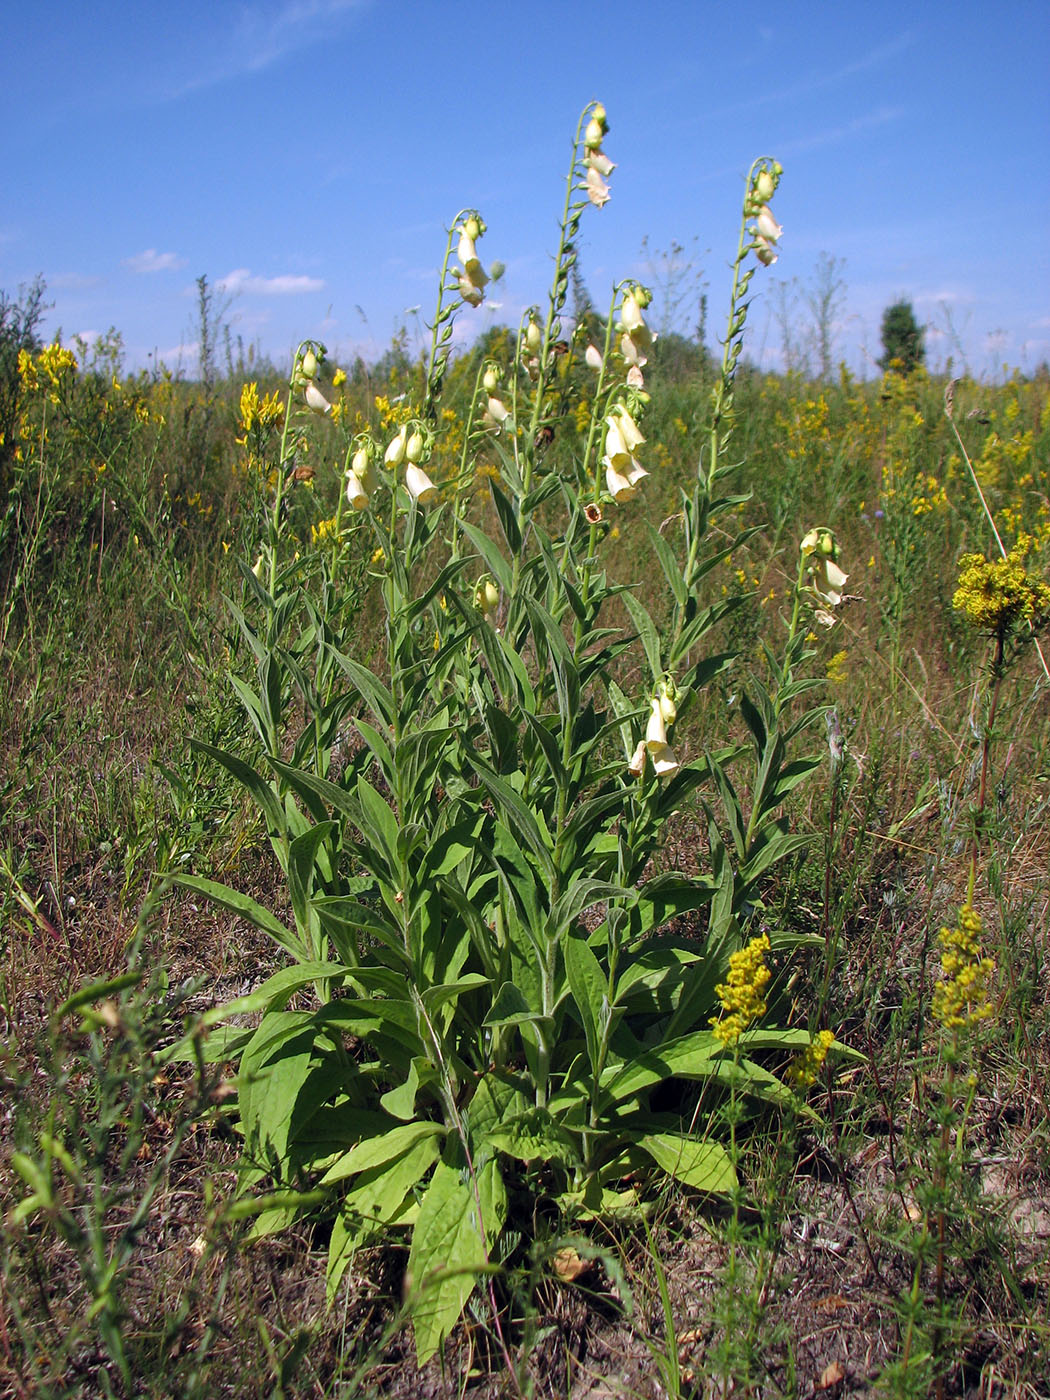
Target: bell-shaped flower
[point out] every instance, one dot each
(395, 452)
(597, 188)
(618, 484)
(356, 492)
(471, 293)
(631, 314)
(598, 160)
(468, 256)
(635, 378)
(635, 348)
(616, 451)
(495, 415)
(629, 432)
(315, 400)
(660, 751)
(765, 252)
(622, 483)
(419, 486)
(829, 581)
(592, 357)
(767, 225)
(636, 767)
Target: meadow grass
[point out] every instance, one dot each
(891, 1232)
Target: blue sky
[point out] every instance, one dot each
(307, 155)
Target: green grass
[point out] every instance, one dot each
(115, 646)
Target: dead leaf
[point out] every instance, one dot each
(569, 1266)
(831, 1302)
(831, 1375)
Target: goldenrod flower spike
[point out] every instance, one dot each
(743, 994)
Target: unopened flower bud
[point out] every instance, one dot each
(533, 337)
(594, 135)
(765, 187)
(414, 447)
(308, 365)
(490, 381)
(395, 452)
(360, 463)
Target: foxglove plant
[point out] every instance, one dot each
(486, 979)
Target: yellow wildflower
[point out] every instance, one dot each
(960, 998)
(999, 594)
(742, 995)
(804, 1068)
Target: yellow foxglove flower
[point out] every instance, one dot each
(636, 767)
(632, 438)
(356, 492)
(316, 401)
(765, 251)
(616, 453)
(618, 484)
(415, 447)
(597, 188)
(593, 357)
(419, 486)
(395, 452)
(767, 225)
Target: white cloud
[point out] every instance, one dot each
(152, 261)
(241, 279)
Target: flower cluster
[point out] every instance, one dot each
(257, 411)
(360, 478)
(412, 446)
(636, 339)
(960, 998)
(471, 277)
(51, 363)
(662, 711)
(307, 364)
(999, 594)
(623, 471)
(596, 163)
(743, 995)
(765, 231)
(807, 1064)
(496, 411)
(820, 554)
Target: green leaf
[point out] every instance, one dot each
(705, 1166)
(646, 629)
(376, 1151)
(247, 908)
(589, 992)
(446, 1257)
(375, 694)
(261, 792)
(670, 565)
(507, 519)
